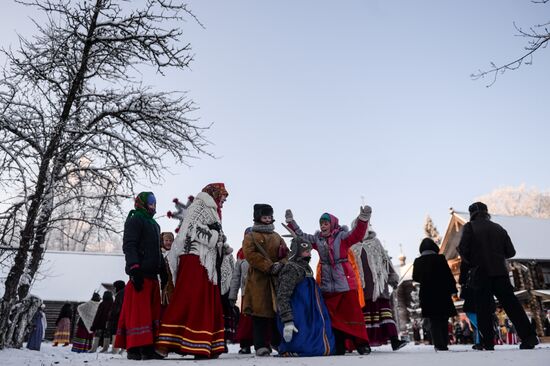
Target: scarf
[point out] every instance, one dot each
(378, 261)
(140, 207)
(262, 228)
(427, 252)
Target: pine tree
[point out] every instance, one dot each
(431, 231)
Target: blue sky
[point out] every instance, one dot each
(316, 104)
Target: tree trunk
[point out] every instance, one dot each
(12, 283)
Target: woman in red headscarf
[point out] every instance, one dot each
(193, 322)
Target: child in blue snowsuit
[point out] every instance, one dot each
(303, 318)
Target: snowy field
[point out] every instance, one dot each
(459, 355)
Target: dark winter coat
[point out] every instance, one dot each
(436, 285)
(115, 311)
(102, 315)
(258, 299)
(141, 245)
(290, 276)
(487, 245)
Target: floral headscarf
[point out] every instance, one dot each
(140, 205)
(216, 191)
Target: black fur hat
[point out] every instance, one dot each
(262, 209)
(477, 208)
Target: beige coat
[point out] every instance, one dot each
(259, 297)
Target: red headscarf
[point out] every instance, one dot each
(216, 191)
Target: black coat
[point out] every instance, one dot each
(436, 286)
(102, 315)
(115, 311)
(487, 245)
(141, 245)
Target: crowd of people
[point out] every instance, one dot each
(182, 291)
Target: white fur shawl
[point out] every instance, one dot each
(194, 237)
(87, 312)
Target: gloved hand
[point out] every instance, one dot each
(288, 331)
(232, 302)
(136, 276)
(227, 249)
(276, 268)
(365, 213)
(215, 226)
(288, 216)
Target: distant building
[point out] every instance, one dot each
(529, 268)
(72, 277)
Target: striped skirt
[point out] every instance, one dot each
(193, 323)
(82, 341)
(63, 331)
(379, 321)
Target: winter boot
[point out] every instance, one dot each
(397, 344)
(95, 344)
(149, 353)
(106, 343)
(263, 352)
(244, 351)
(363, 349)
(134, 353)
(529, 342)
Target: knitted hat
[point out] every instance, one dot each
(262, 209)
(476, 208)
(428, 244)
(325, 217)
(297, 247)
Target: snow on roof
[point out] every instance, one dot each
(531, 236)
(74, 276)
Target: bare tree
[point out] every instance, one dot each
(78, 126)
(537, 37)
(518, 201)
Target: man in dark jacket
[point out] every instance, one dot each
(138, 324)
(485, 246)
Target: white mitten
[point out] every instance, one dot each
(288, 331)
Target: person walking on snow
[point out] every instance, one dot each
(83, 338)
(303, 317)
(265, 252)
(376, 273)
(63, 326)
(485, 245)
(437, 284)
(39, 325)
(193, 322)
(337, 278)
(138, 324)
(100, 326)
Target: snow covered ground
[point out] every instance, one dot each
(459, 355)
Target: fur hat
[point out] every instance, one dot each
(297, 247)
(428, 244)
(262, 209)
(477, 208)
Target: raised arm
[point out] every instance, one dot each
(358, 233)
(293, 225)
